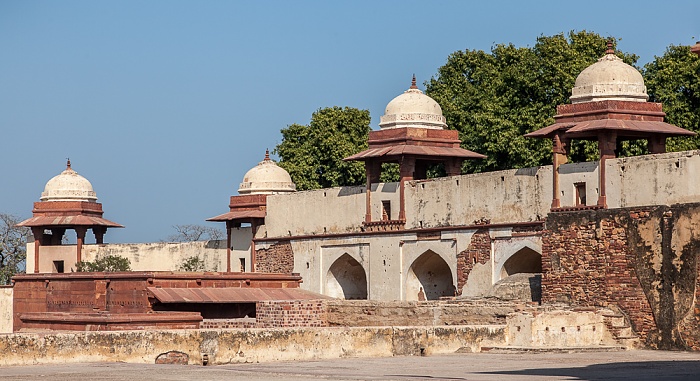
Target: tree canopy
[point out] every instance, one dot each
(674, 80)
(12, 247)
(107, 263)
(313, 154)
(494, 98)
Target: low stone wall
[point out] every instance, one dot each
(244, 345)
(5, 309)
(366, 313)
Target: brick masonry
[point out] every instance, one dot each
(278, 258)
(479, 251)
(642, 260)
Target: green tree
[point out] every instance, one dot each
(494, 98)
(13, 250)
(674, 80)
(313, 154)
(107, 263)
(193, 263)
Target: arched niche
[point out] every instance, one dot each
(432, 274)
(525, 260)
(346, 279)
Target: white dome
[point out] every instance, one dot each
(266, 178)
(412, 109)
(609, 79)
(68, 186)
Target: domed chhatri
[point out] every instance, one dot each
(609, 79)
(68, 186)
(266, 178)
(412, 109)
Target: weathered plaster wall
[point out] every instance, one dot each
(244, 345)
(517, 195)
(642, 260)
(331, 210)
(159, 256)
(560, 329)
(6, 309)
(386, 259)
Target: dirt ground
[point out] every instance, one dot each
(631, 365)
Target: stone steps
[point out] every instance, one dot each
(514, 349)
(620, 328)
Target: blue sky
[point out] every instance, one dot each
(164, 105)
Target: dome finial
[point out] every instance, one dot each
(68, 163)
(610, 49)
(413, 82)
(267, 154)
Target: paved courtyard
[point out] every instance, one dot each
(633, 365)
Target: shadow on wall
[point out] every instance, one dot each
(429, 278)
(346, 279)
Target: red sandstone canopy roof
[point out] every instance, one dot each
(624, 128)
(231, 295)
(238, 214)
(79, 220)
(415, 150)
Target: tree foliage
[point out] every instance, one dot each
(313, 154)
(193, 263)
(107, 263)
(674, 80)
(494, 98)
(13, 250)
(191, 233)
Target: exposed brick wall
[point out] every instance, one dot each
(478, 251)
(278, 258)
(642, 260)
(368, 313)
(228, 323)
(295, 313)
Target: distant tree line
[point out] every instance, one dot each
(493, 99)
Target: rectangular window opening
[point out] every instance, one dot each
(580, 194)
(242, 264)
(386, 210)
(58, 267)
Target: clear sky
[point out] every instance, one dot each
(164, 105)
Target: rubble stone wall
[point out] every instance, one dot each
(277, 258)
(643, 260)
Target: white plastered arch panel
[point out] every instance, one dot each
(504, 249)
(445, 249)
(331, 254)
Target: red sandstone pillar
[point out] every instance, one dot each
(558, 158)
(80, 231)
(656, 144)
(453, 167)
(254, 229)
(372, 172)
(99, 232)
(606, 148)
(37, 232)
(228, 246)
(406, 169)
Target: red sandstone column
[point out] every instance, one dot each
(406, 169)
(80, 231)
(606, 147)
(37, 232)
(372, 172)
(228, 246)
(99, 232)
(558, 158)
(254, 229)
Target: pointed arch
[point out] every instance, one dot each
(346, 279)
(525, 260)
(430, 277)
